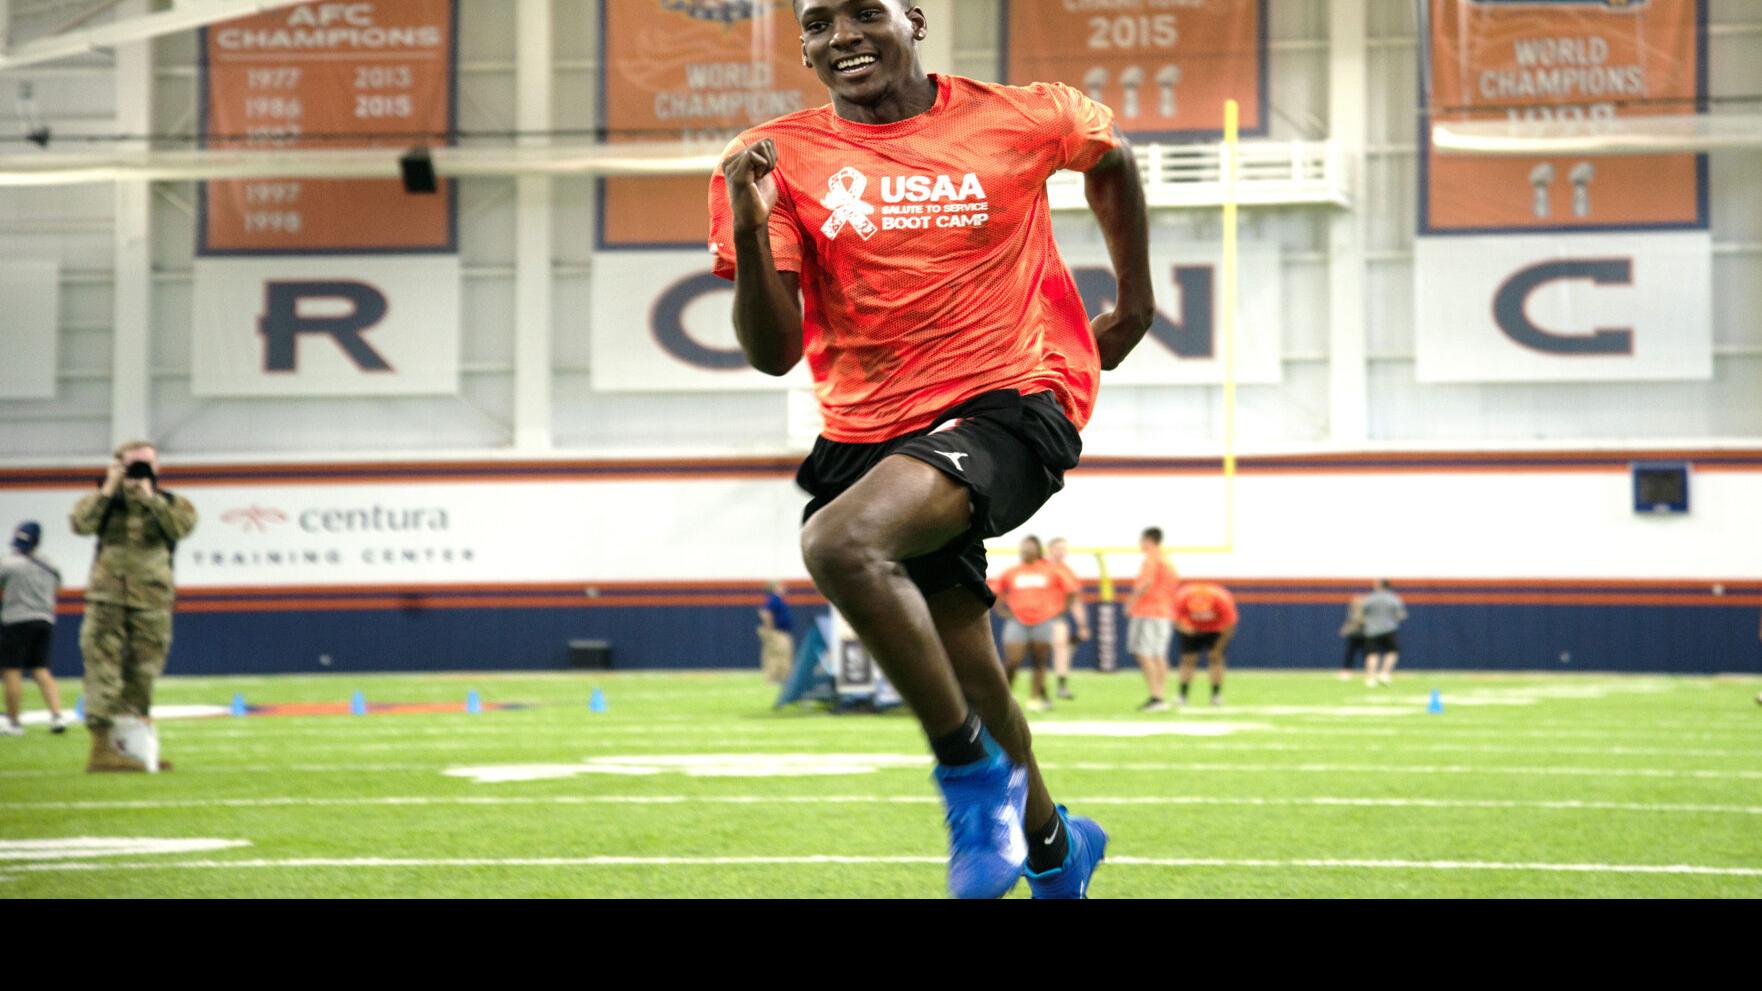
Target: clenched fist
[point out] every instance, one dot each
(752, 189)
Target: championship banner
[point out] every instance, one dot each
(689, 70)
(311, 326)
(1164, 66)
(670, 328)
(30, 297)
(1572, 61)
(673, 331)
(328, 75)
(1562, 268)
(327, 287)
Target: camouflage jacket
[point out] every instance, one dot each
(134, 551)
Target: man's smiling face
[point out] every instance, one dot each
(860, 49)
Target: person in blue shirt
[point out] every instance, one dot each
(776, 635)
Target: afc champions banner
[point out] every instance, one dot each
(328, 287)
(674, 332)
(1554, 268)
(698, 71)
(1165, 67)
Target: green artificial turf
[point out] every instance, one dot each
(1556, 786)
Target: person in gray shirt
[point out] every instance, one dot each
(1383, 613)
(29, 583)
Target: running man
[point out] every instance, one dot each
(1062, 646)
(29, 583)
(899, 239)
(1151, 609)
(1205, 620)
(1384, 612)
(1035, 595)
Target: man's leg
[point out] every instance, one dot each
(1389, 660)
(1061, 655)
(854, 547)
(14, 694)
(1371, 662)
(1148, 664)
(1040, 654)
(964, 629)
(51, 694)
(1189, 665)
(1215, 669)
(1013, 652)
(103, 640)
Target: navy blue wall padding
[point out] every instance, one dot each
(1674, 639)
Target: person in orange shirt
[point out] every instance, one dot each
(1034, 596)
(899, 240)
(1205, 619)
(1151, 608)
(1062, 645)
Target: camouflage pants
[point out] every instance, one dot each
(125, 652)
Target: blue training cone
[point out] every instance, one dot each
(238, 704)
(79, 708)
(598, 702)
(358, 704)
(473, 703)
(1436, 705)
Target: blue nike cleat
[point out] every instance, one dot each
(987, 850)
(1088, 847)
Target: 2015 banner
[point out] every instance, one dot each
(676, 334)
(327, 287)
(1164, 66)
(1555, 268)
(328, 75)
(689, 70)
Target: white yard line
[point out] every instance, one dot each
(1565, 805)
(354, 863)
(1305, 768)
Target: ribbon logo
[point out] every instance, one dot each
(846, 203)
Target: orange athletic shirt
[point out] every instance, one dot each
(1205, 608)
(928, 269)
(1157, 580)
(1036, 592)
(1071, 576)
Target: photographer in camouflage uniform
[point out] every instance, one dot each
(126, 634)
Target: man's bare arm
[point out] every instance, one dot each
(1116, 195)
(767, 302)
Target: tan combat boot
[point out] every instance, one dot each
(106, 758)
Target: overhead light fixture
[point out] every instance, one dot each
(418, 171)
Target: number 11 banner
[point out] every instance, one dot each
(1164, 66)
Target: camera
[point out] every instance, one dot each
(139, 469)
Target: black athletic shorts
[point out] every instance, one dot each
(1010, 451)
(26, 645)
(1194, 643)
(1384, 644)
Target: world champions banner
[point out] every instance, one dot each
(699, 71)
(1578, 62)
(1165, 67)
(1561, 268)
(329, 287)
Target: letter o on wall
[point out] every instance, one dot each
(667, 321)
(1511, 304)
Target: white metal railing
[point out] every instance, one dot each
(1269, 173)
